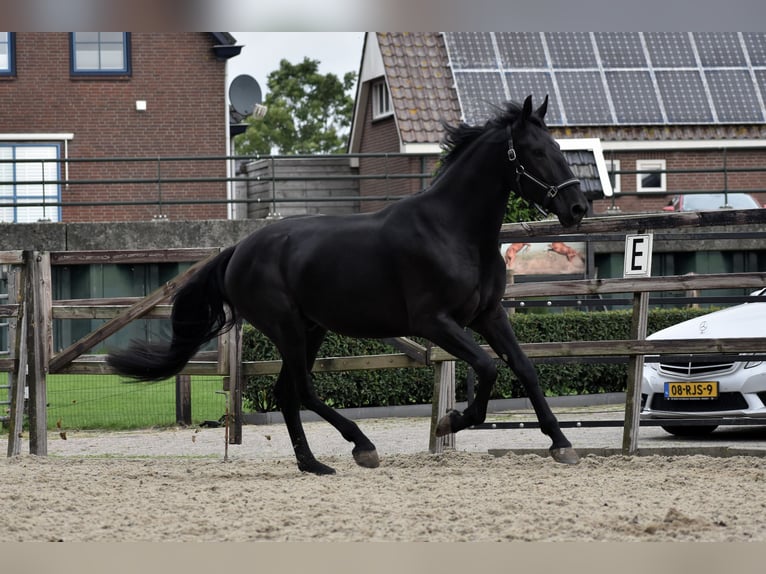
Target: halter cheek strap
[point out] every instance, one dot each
(551, 190)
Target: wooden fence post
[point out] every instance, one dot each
(183, 400)
(443, 401)
(39, 329)
(17, 339)
(638, 326)
(235, 383)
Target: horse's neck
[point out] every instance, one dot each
(471, 198)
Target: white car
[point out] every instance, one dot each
(704, 388)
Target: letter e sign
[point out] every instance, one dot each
(638, 255)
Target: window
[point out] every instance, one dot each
(613, 168)
(651, 175)
(24, 170)
(6, 54)
(100, 53)
(381, 101)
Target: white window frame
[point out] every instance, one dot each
(613, 165)
(381, 100)
(645, 166)
(60, 141)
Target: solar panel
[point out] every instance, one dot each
(734, 96)
(471, 50)
(571, 49)
(719, 49)
(521, 50)
(670, 49)
(634, 98)
(596, 78)
(756, 47)
(584, 98)
(478, 93)
(539, 84)
(620, 50)
(684, 97)
(760, 77)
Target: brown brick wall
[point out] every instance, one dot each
(184, 87)
(381, 136)
(705, 160)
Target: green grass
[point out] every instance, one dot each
(106, 402)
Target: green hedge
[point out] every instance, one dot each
(415, 385)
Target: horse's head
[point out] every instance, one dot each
(542, 174)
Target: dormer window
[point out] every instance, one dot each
(381, 100)
(100, 53)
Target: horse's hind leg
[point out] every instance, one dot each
(294, 386)
(289, 403)
(364, 451)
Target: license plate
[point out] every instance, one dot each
(695, 390)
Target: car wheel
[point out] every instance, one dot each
(689, 430)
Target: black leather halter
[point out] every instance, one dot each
(551, 190)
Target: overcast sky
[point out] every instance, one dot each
(337, 52)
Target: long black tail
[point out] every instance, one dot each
(198, 315)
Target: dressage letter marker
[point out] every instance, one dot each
(638, 255)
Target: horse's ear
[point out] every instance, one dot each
(540, 113)
(526, 110)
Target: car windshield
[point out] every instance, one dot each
(708, 201)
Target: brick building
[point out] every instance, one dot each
(91, 98)
(658, 103)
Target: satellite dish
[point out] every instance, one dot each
(244, 94)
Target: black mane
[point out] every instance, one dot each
(458, 138)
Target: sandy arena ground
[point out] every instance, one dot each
(173, 485)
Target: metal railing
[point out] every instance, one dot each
(165, 173)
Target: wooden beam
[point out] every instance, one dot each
(409, 347)
(638, 326)
(607, 286)
(627, 223)
(104, 311)
(134, 312)
(9, 310)
(129, 256)
(443, 401)
(627, 347)
(183, 400)
(337, 364)
(17, 379)
(11, 257)
(38, 327)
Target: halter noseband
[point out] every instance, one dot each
(551, 190)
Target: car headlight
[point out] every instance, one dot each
(751, 364)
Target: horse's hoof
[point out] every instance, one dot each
(566, 455)
(315, 467)
(366, 458)
(444, 427)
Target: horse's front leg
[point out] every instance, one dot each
(451, 337)
(495, 327)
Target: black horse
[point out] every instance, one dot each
(428, 266)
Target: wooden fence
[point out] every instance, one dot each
(31, 311)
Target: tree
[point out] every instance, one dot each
(519, 209)
(308, 113)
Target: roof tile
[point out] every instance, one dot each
(421, 84)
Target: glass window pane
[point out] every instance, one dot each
(112, 57)
(114, 37)
(86, 37)
(86, 57)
